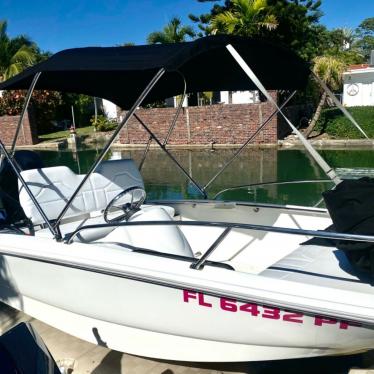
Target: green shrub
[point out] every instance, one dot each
(103, 124)
(83, 108)
(43, 103)
(334, 123)
(11, 103)
(49, 106)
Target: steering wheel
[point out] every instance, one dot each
(128, 201)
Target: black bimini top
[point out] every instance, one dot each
(120, 74)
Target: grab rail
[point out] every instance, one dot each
(274, 183)
(228, 227)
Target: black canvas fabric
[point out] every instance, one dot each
(120, 74)
(351, 207)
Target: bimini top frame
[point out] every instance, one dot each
(119, 73)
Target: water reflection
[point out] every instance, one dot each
(164, 180)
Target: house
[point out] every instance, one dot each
(222, 97)
(110, 109)
(359, 85)
(240, 97)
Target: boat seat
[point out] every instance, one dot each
(162, 238)
(53, 186)
(318, 265)
(90, 235)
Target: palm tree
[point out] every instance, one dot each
(173, 32)
(15, 53)
(348, 37)
(330, 70)
(247, 18)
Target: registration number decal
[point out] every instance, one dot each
(259, 311)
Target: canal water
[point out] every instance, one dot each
(164, 180)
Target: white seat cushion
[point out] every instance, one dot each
(160, 238)
(52, 188)
(90, 235)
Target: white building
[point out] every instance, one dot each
(110, 109)
(240, 97)
(222, 97)
(359, 86)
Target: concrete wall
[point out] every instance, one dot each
(221, 124)
(28, 134)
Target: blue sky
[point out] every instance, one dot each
(55, 25)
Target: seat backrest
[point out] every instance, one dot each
(53, 186)
(160, 238)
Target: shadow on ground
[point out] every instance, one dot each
(320, 365)
(111, 363)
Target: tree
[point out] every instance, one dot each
(203, 20)
(246, 18)
(173, 32)
(366, 27)
(341, 43)
(330, 70)
(297, 20)
(365, 37)
(341, 38)
(15, 53)
(298, 28)
(366, 45)
(126, 44)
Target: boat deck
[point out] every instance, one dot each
(321, 266)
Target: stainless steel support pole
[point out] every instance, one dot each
(73, 116)
(24, 109)
(104, 151)
(316, 156)
(253, 136)
(338, 104)
(26, 187)
(171, 156)
(145, 152)
(180, 105)
(200, 263)
(171, 127)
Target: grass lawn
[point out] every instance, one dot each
(81, 131)
(334, 123)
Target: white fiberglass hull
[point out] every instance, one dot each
(145, 305)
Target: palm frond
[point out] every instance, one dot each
(225, 22)
(25, 56)
(187, 30)
(259, 5)
(3, 30)
(173, 32)
(330, 70)
(156, 37)
(12, 70)
(270, 23)
(247, 18)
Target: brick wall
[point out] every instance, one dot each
(27, 135)
(221, 124)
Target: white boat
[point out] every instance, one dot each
(198, 280)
